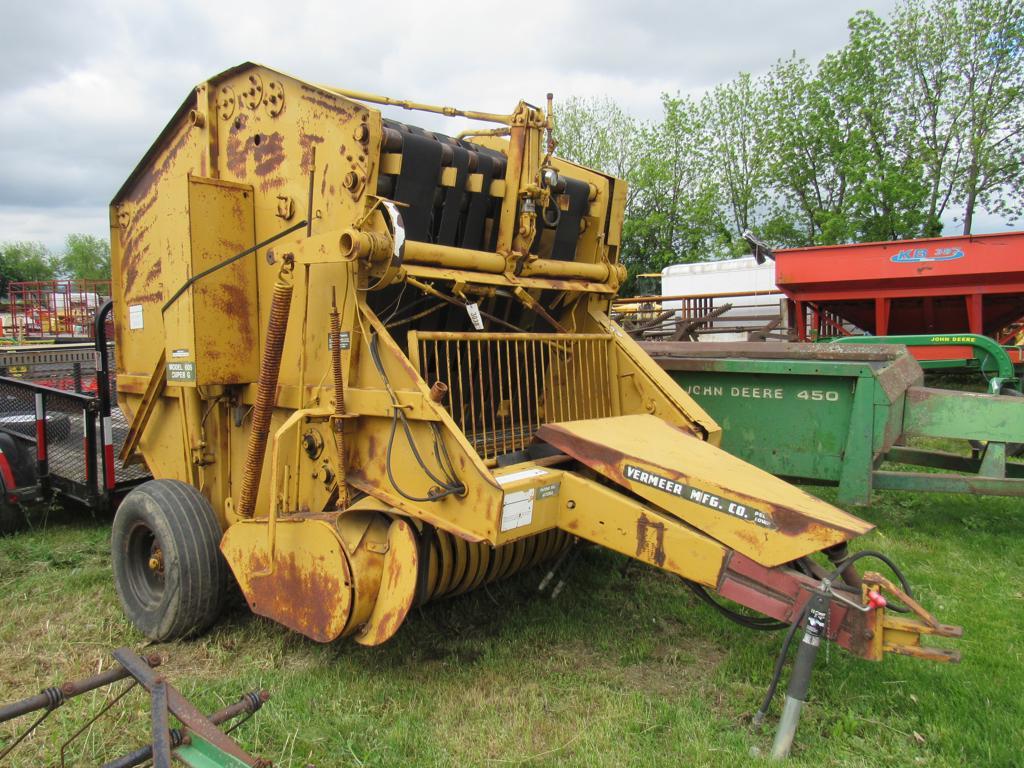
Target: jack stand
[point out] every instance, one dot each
(800, 679)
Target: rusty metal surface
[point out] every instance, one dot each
(181, 707)
(270, 367)
(306, 585)
(663, 352)
(503, 387)
(745, 508)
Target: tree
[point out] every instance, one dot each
(989, 56)
(809, 137)
(887, 197)
(734, 117)
(676, 215)
(86, 257)
(23, 261)
(930, 98)
(964, 61)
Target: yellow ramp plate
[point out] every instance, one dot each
(745, 508)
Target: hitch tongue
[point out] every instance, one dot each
(893, 633)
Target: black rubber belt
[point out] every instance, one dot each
(451, 212)
(479, 202)
(421, 170)
(567, 233)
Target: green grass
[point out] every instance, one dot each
(624, 668)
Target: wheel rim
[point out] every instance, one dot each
(144, 566)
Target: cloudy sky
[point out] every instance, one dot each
(86, 86)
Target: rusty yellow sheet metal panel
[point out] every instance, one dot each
(607, 517)
(306, 585)
(397, 586)
(765, 518)
(224, 311)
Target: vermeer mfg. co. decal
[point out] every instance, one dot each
(699, 496)
(917, 255)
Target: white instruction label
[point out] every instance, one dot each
(517, 510)
(525, 474)
(473, 310)
(135, 317)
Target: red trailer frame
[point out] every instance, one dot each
(54, 309)
(966, 284)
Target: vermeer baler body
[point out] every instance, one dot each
(379, 360)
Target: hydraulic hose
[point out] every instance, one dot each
(780, 660)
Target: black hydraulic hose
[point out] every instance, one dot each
(451, 485)
(780, 661)
(759, 623)
(904, 584)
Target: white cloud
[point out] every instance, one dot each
(86, 87)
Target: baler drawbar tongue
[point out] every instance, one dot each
(739, 505)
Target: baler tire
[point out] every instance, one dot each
(170, 523)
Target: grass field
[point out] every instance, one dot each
(624, 668)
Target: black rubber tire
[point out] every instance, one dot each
(12, 514)
(171, 519)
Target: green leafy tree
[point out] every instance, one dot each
(734, 118)
(988, 38)
(86, 257)
(887, 197)
(24, 261)
(676, 216)
(597, 133)
(929, 98)
(809, 139)
(963, 84)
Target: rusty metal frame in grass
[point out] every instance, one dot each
(183, 744)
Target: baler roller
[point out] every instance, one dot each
(457, 566)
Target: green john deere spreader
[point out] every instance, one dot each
(834, 414)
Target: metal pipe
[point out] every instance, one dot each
(417, 252)
(488, 117)
(55, 696)
(453, 258)
(598, 273)
(473, 132)
(247, 704)
(266, 389)
(339, 400)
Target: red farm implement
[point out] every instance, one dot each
(948, 285)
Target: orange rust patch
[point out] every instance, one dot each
(268, 154)
(650, 540)
(238, 147)
(307, 142)
(300, 599)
